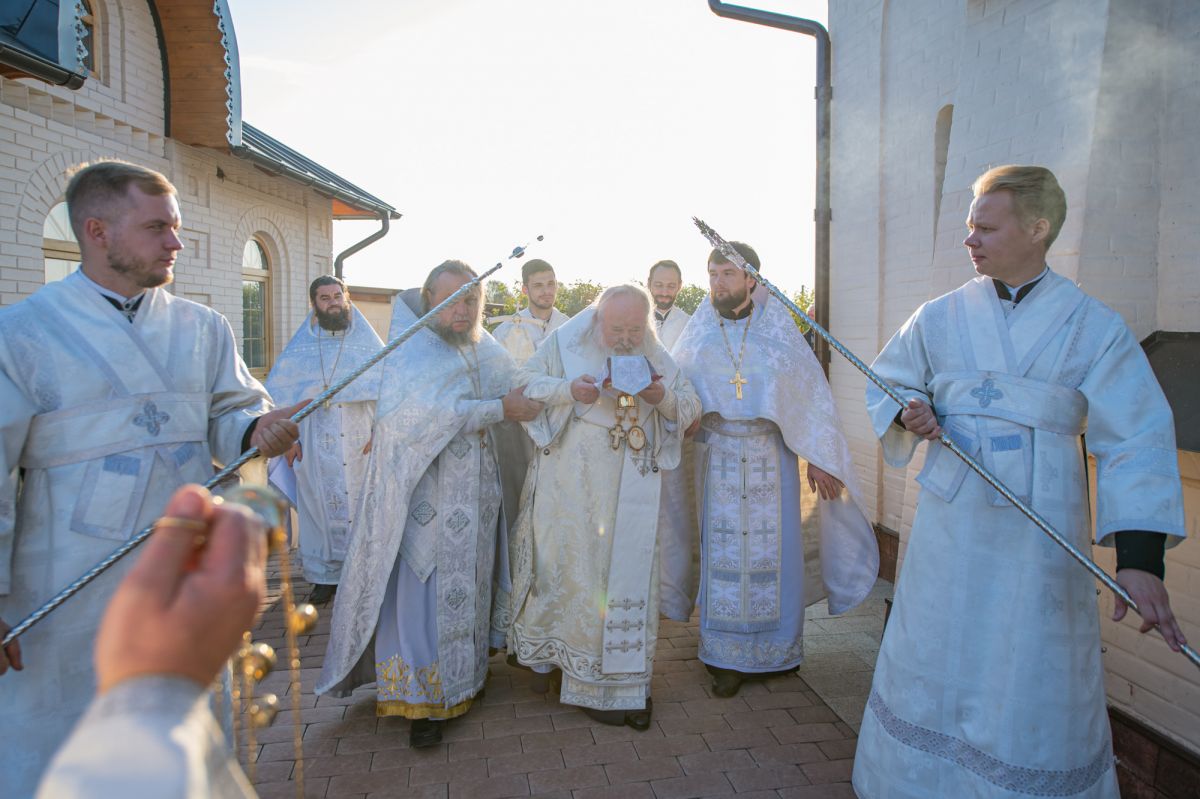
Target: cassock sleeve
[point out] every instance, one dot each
(237, 398)
(903, 364)
(1131, 432)
(149, 736)
(483, 413)
(16, 413)
(542, 375)
(543, 378)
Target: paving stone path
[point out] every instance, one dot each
(776, 739)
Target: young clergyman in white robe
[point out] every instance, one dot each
(989, 681)
(766, 405)
(328, 463)
(585, 587)
(113, 393)
(678, 497)
(521, 333)
(664, 282)
(414, 609)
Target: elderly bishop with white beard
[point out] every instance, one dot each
(585, 579)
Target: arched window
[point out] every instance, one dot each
(91, 41)
(59, 245)
(941, 154)
(256, 308)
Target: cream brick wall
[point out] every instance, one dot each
(1143, 676)
(1179, 172)
(1104, 92)
(46, 130)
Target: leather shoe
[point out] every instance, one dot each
(726, 683)
(541, 682)
(322, 593)
(640, 719)
(425, 733)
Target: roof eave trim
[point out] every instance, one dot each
(233, 73)
(306, 179)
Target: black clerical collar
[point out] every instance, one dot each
(736, 315)
(1005, 293)
(128, 307)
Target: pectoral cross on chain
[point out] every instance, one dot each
(617, 434)
(738, 381)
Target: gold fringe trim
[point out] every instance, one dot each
(422, 711)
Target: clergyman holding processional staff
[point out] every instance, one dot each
(113, 393)
(989, 681)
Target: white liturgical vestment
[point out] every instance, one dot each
(760, 418)
(414, 610)
(585, 587)
(671, 328)
(329, 474)
(107, 419)
(989, 681)
(523, 333)
(151, 737)
(520, 336)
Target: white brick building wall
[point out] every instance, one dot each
(1104, 92)
(46, 130)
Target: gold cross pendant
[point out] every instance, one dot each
(738, 381)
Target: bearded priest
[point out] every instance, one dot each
(324, 469)
(413, 611)
(767, 406)
(585, 574)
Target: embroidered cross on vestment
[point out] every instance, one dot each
(151, 419)
(986, 392)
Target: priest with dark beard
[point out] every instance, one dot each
(768, 409)
(323, 472)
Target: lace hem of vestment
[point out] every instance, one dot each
(1031, 781)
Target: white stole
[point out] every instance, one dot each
(624, 645)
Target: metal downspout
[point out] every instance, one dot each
(369, 240)
(823, 213)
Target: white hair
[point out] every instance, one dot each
(650, 337)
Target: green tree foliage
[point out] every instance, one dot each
(574, 297)
(689, 297)
(501, 299)
(804, 300)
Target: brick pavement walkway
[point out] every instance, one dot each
(775, 739)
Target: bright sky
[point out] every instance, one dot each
(603, 126)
